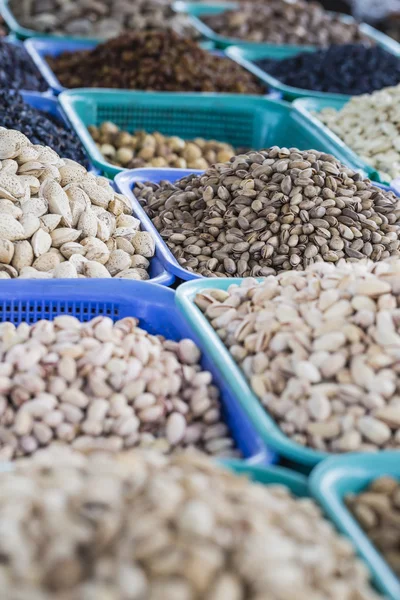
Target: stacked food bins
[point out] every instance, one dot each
(117, 127)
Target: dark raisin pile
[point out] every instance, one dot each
(40, 127)
(351, 69)
(17, 69)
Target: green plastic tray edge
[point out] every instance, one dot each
(266, 426)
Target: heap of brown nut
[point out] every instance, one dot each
(144, 149)
(146, 527)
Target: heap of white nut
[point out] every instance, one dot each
(142, 526)
(58, 220)
(321, 350)
(100, 385)
(369, 124)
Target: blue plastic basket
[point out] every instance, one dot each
(39, 48)
(336, 477)
(290, 133)
(153, 305)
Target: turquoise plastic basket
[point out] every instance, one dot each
(271, 476)
(306, 106)
(233, 377)
(248, 122)
(23, 33)
(336, 477)
(248, 55)
(196, 11)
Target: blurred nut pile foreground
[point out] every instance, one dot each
(270, 211)
(143, 526)
(104, 385)
(153, 60)
(98, 18)
(320, 349)
(58, 220)
(377, 509)
(282, 22)
(369, 124)
(143, 149)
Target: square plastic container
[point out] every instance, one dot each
(235, 379)
(24, 33)
(248, 55)
(197, 10)
(306, 106)
(336, 477)
(39, 48)
(153, 305)
(224, 117)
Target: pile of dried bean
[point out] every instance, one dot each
(270, 211)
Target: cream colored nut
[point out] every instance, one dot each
(50, 222)
(70, 248)
(88, 223)
(41, 242)
(47, 262)
(72, 172)
(9, 207)
(6, 251)
(144, 244)
(128, 221)
(10, 228)
(96, 250)
(65, 270)
(63, 235)
(95, 270)
(31, 224)
(57, 199)
(23, 255)
(31, 273)
(118, 261)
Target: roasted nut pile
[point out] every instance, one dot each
(348, 69)
(106, 386)
(283, 22)
(40, 127)
(57, 220)
(17, 69)
(320, 349)
(153, 60)
(377, 509)
(144, 149)
(270, 211)
(369, 124)
(143, 526)
(98, 18)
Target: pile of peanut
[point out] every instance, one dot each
(141, 526)
(100, 385)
